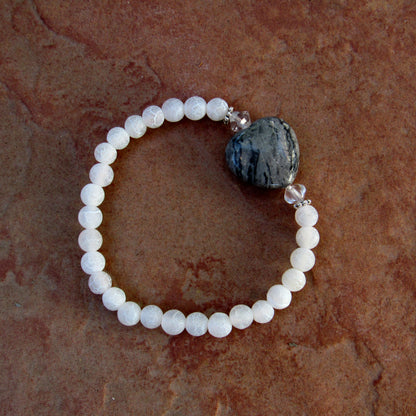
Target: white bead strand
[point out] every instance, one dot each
(174, 322)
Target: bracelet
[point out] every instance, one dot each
(264, 153)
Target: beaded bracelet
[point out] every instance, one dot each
(264, 153)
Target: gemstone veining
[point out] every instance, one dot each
(266, 154)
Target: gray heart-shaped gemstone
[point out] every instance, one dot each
(266, 154)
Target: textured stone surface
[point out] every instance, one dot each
(266, 154)
(179, 231)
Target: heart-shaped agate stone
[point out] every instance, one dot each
(266, 154)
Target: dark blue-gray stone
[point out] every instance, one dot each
(266, 154)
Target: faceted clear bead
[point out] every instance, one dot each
(239, 120)
(295, 193)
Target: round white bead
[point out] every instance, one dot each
(294, 280)
(195, 108)
(92, 194)
(118, 137)
(153, 116)
(217, 109)
(306, 216)
(302, 259)
(99, 282)
(279, 297)
(219, 325)
(90, 240)
(113, 298)
(135, 127)
(173, 109)
(173, 322)
(92, 262)
(129, 313)
(196, 324)
(241, 316)
(151, 316)
(90, 217)
(105, 153)
(263, 312)
(101, 174)
(307, 237)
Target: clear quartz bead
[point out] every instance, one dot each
(295, 193)
(239, 120)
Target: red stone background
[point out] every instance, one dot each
(181, 232)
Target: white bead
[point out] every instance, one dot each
(135, 127)
(173, 322)
(302, 259)
(196, 324)
(294, 280)
(92, 262)
(101, 174)
(263, 312)
(307, 237)
(151, 316)
(105, 153)
(195, 108)
(92, 194)
(99, 282)
(173, 109)
(118, 137)
(279, 297)
(217, 109)
(90, 240)
(153, 116)
(219, 325)
(90, 217)
(241, 316)
(113, 298)
(129, 313)
(306, 216)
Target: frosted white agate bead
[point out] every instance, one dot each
(90, 217)
(99, 282)
(129, 313)
(113, 298)
(294, 280)
(217, 109)
(263, 312)
(173, 322)
(101, 174)
(153, 116)
(196, 324)
(302, 259)
(306, 216)
(195, 108)
(307, 237)
(279, 297)
(173, 109)
(105, 153)
(92, 194)
(92, 261)
(219, 325)
(135, 127)
(118, 138)
(90, 240)
(151, 316)
(241, 316)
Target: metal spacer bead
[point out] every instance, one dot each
(228, 115)
(303, 203)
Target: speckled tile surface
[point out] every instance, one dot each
(181, 232)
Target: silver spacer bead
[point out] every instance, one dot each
(303, 203)
(228, 115)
